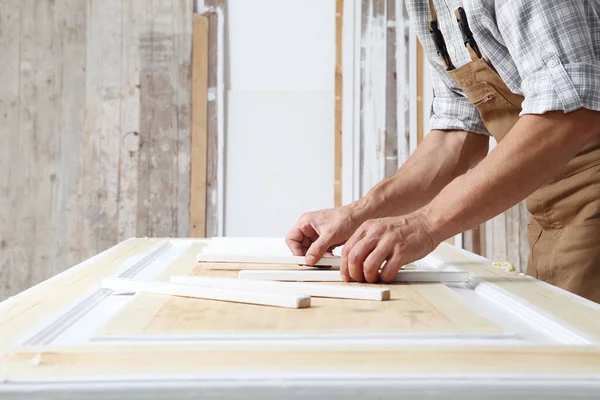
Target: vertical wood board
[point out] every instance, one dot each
(199, 127)
(337, 183)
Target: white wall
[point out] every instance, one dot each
(280, 57)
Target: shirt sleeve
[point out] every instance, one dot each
(451, 109)
(556, 48)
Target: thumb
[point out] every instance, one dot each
(317, 249)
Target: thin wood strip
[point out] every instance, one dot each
(212, 157)
(337, 184)
(420, 92)
(334, 276)
(142, 309)
(198, 162)
(264, 259)
(316, 290)
(208, 293)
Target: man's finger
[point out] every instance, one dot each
(294, 240)
(391, 268)
(374, 261)
(357, 257)
(317, 249)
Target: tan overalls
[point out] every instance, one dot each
(564, 230)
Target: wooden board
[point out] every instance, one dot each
(423, 308)
(475, 361)
(215, 14)
(198, 160)
(422, 358)
(95, 110)
(337, 183)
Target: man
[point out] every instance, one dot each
(526, 72)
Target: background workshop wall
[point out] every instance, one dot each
(94, 129)
(298, 105)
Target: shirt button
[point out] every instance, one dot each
(552, 63)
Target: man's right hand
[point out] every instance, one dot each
(319, 232)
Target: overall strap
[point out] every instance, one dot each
(438, 39)
(465, 30)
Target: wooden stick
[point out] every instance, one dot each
(208, 293)
(264, 259)
(334, 276)
(199, 127)
(307, 289)
(337, 174)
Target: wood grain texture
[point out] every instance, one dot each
(78, 179)
(391, 97)
(128, 195)
(506, 237)
(212, 184)
(11, 246)
(116, 361)
(145, 306)
(337, 183)
(420, 92)
(411, 309)
(199, 127)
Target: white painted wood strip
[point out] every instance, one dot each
(308, 289)
(334, 276)
(264, 259)
(208, 293)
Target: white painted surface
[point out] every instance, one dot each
(279, 160)
(334, 276)
(250, 258)
(307, 289)
(205, 292)
(279, 145)
(281, 45)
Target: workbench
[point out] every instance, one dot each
(500, 335)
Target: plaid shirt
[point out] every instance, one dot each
(545, 50)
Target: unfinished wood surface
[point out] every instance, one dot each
(129, 134)
(199, 127)
(391, 98)
(410, 309)
(420, 93)
(145, 306)
(316, 290)
(337, 183)
(334, 276)
(214, 11)
(165, 122)
(373, 93)
(208, 293)
(116, 361)
(10, 245)
(264, 259)
(506, 237)
(90, 140)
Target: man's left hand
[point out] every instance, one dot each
(397, 240)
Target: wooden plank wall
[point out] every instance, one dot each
(95, 126)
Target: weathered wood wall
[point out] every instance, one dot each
(94, 129)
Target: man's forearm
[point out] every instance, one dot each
(534, 151)
(440, 158)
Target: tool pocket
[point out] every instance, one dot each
(498, 114)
